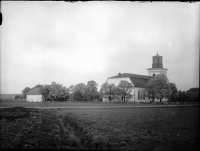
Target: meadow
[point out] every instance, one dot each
(87, 104)
(171, 128)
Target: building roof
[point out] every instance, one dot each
(157, 69)
(137, 80)
(35, 91)
(124, 75)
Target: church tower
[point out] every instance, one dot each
(157, 66)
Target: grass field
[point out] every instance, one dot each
(172, 128)
(22, 104)
(77, 104)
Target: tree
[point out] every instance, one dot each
(174, 92)
(25, 91)
(182, 97)
(150, 89)
(53, 88)
(91, 90)
(142, 94)
(62, 93)
(162, 87)
(71, 90)
(17, 97)
(55, 91)
(97, 95)
(58, 92)
(79, 92)
(45, 89)
(108, 89)
(158, 87)
(193, 94)
(124, 89)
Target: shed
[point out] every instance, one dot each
(34, 95)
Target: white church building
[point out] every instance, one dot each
(138, 81)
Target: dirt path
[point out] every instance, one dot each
(68, 131)
(77, 134)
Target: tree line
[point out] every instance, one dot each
(157, 87)
(58, 92)
(111, 91)
(81, 91)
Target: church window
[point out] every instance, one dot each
(143, 96)
(138, 95)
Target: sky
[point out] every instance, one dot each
(72, 43)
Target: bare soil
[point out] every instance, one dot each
(174, 128)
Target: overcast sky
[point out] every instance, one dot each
(72, 43)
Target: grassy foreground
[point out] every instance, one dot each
(174, 128)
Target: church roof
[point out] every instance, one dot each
(124, 75)
(35, 91)
(136, 79)
(139, 82)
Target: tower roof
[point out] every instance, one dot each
(157, 61)
(157, 55)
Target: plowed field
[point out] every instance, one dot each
(172, 128)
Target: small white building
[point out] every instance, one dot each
(34, 95)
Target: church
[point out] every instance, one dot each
(138, 81)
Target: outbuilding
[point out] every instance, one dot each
(34, 95)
